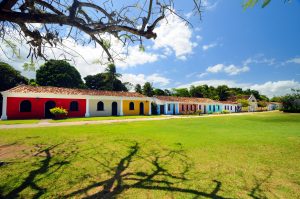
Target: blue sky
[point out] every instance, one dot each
(254, 48)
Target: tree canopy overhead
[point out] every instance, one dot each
(44, 24)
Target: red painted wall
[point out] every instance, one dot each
(38, 107)
(189, 107)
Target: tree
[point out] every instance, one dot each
(262, 104)
(243, 102)
(112, 81)
(223, 92)
(9, 77)
(138, 88)
(81, 21)
(181, 92)
(276, 99)
(106, 81)
(159, 92)
(148, 89)
(96, 82)
(58, 73)
(196, 91)
(291, 102)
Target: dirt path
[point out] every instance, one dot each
(45, 123)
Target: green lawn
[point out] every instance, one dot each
(33, 121)
(105, 118)
(9, 122)
(247, 156)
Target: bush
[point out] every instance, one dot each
(198, 112)
(225, 112)
(59, 112)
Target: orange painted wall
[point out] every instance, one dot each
(136, 110)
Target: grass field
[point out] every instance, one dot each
(249, 156)
(34, 121)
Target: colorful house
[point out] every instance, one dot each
(232, 107)
(171, 105)
(274, 106)
(251, 99)
(24, 102)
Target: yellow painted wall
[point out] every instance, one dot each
(136, 110)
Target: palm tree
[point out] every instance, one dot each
(111, 76)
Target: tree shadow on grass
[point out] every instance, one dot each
(257, 192)
(156, 173)
(33, 177)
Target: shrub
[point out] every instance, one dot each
(59, 111)
(198, 112)
(225, 112)
(291, 102)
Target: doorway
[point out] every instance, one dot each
(162, 109)
(114, 109)
(49, 105)
(141, 108)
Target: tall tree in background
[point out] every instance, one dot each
(109, 80)
(148, 89)
(112, 77)
(96, 82)
(138, 88)
(181, 92)
(159, 92)
(9, 78)
(223, 92)
(58, 73)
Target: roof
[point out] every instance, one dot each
(228, 102)
(185, 99)
(70, 91)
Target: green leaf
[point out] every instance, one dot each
(265, 3)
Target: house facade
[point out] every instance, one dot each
(171, 105)
(274, 106)
(232, 107)
(25, 102)
(251, 100)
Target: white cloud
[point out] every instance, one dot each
(234, 70)
(199, 37)
(209, 4)
(208, 46)
(231, 69)
(295, 60)
(173, 33)
(137, 57)
(260, 59)
(189, 14)
(276, 88)
(142, 79)
(216, 68)
(202, 75)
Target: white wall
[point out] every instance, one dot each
(107, 107)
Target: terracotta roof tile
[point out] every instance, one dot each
(185, 99)
(228, 102)
(70, 91)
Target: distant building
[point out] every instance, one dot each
(274, 106)
(251, 99)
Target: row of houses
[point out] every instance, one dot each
(24, 102)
